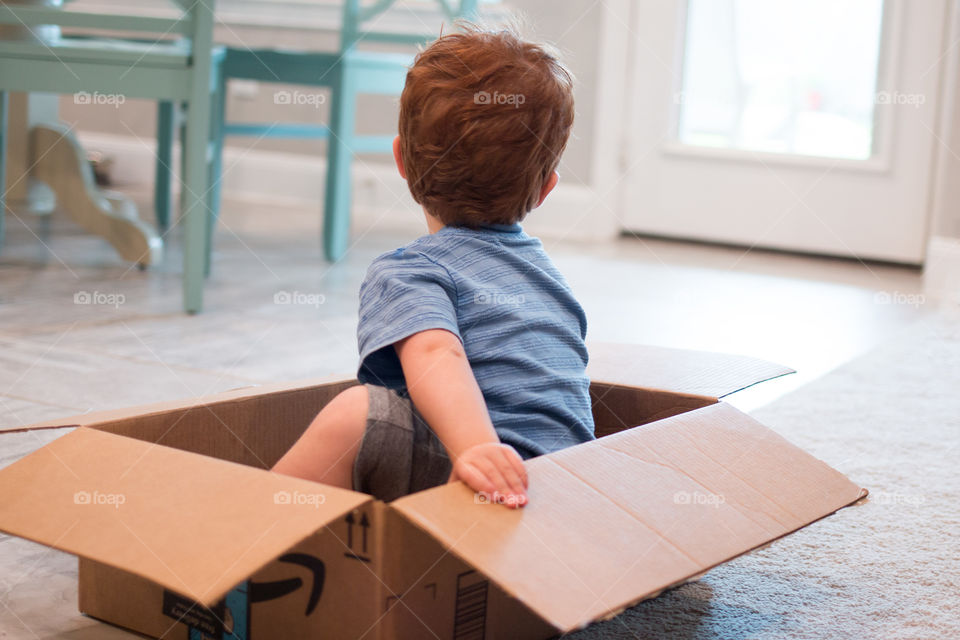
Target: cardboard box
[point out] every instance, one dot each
(183, 533)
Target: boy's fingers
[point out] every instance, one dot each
(517, 491)
(510, 472)
(512, 494)
(516, 463)
(492, 471)
(474, 478)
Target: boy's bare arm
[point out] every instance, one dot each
(442, 387)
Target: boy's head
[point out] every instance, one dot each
(484, 118)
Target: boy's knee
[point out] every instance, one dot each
(324, 452)
(353, 401)
(347, 412)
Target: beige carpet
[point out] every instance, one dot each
(886, 568)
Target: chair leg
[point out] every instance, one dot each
(181, 132)
(3, 164)
(217, 115)
(164, 169)
(336, 208)
(218, 123)
(194, 198)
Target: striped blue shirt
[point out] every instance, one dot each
(521, 327)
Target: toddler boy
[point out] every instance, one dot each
(471, 342)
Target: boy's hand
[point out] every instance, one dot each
(494, 469)
(443, 389)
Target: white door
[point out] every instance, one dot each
(804, 125)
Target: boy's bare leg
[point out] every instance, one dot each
(327, 449)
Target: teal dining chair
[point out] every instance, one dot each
(170, 59)
(350, 71)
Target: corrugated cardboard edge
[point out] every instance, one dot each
(765, 371)
(621, 356)
(144, 410)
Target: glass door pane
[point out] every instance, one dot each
(782, 76)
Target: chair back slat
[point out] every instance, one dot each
(394, 37)
(194, 20)
(38, 15)
(356, 15)
(366, 13)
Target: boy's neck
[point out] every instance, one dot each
(433, 223)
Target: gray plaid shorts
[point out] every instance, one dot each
(399, 454)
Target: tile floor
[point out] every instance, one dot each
(131, 344)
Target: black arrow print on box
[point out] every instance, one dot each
(364, 526)
(261, 591)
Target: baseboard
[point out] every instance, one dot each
(381, 199)
(941, 272)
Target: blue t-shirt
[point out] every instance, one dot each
(522, 330)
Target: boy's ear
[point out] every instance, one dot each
(398, 158)
(547, 187)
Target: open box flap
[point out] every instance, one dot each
(233, 395)
(193, 524)
(614, 521)
(699, 373)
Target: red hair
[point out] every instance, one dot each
(484, 119)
